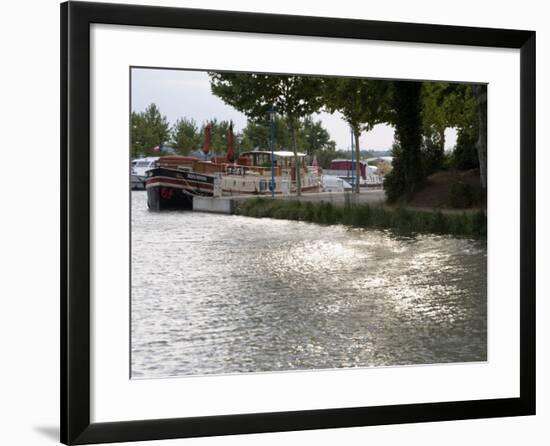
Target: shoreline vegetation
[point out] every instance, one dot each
(400, 219)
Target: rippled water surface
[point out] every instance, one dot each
(225, 294)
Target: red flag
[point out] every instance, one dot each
(230, 143)
(207, 138)
(315, 164)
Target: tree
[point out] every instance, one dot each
(255, 95)
(313, 137)
(362, 102)
(325, 157)
(257, 135)
(407, 174)
(467, 110)
(435, 120)
(148, 130)
(480, 93)
(465, 154)
(186, 137)
(445, 105)
(219, 131)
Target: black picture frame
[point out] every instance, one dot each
(76, 18)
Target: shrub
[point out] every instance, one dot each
(433, 152)
(401, 220)
(465, 154)
(461, 195)
(394, 185)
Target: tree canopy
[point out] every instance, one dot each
(292, 97)
(363, 103)
(311, 136)
(446, 105)
(186, 136)
(148, 130)
(219, 131)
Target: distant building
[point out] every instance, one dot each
(345, 166)
(345, 169)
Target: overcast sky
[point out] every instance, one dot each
(186, 94)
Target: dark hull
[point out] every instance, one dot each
(170, 189)
(167, 198)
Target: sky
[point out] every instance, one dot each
(186, 94)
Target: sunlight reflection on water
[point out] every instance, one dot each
(226, 294)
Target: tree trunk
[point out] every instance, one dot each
(296, 160)
(407, 170)
(357, 164)
(480, 92)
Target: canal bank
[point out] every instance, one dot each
(471, 223)
(230, 205)
(367, 210)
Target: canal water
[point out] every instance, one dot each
(218, 294)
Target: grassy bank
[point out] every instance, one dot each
(401, 220)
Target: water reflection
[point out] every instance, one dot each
(226, 294)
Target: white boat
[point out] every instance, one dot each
(252, 174)
(345, 169)
(332, 183)
(174, 180)
(138, 171)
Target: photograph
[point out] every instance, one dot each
(275, 220)
(286, 222)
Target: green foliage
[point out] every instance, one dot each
(447, 162)
(363, 103)
(394, 182)
(435, 106)
(444, 106)
(325, 157)
(407, 175)
(464, 194)
(461, 195)
(465, 154)
(148, 130)
(186, 137)
(435, 119)
(433, 150)
(460, 105)
(480, 94)
(311, 136)
(255, 94)
(219, 131)
(257, 134)
(399, 220)
(447, 105)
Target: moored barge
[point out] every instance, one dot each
(173, 182)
